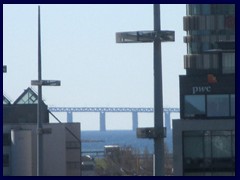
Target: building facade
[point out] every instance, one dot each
(204, 137)
(61, 141)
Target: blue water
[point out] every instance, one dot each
(119, 137)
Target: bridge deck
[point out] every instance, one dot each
(108, 109)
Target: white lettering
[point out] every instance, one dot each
(201, 89)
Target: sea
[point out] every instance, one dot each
(96, 140)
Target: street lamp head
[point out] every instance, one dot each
(46, 83)
(4, 68)
(144, 36)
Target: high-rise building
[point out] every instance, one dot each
(204, 137)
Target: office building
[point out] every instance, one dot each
(204, 137)
(61, 141)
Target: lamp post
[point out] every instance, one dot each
(40, 83)
(158, 132)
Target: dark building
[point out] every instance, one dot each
(24, 109)
(204, 137)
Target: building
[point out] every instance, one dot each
(204, 137)
(61, 141)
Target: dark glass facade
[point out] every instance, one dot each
(207, 91)
(209, 152)
(206, 25)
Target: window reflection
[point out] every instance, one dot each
(217, 105)
(228, 63)
(232, 104)
(194, 105)
(209, 152)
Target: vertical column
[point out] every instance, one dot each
(158, 95)
(102, 121)
(39, 106)
(134, 121)
(69, 117)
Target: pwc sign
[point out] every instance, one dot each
(201, 89)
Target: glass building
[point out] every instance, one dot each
(204, 137)
(206, 26)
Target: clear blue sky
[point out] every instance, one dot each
(78, 48)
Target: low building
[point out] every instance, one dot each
(61, 141)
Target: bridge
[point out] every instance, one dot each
(103, 110)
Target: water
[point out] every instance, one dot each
(117, 137)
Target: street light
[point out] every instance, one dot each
(40, 83)
(157, 36)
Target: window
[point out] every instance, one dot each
(193, 145)
(217, 105)
(232, 100)
(205, 9)
(6, 139)
(228, 63)
(212, 106)
(221, 144)
(209, 152)
(5, 160)
(194, 9)
(194, 105)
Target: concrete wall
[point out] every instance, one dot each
(54, 151)
(56, 155)
(21, 152)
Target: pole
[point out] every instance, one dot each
(158, 97)
(39, 118)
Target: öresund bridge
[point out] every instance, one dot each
(103, 110)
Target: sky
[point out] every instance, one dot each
(80, 50)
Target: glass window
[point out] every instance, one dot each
(194, 105)
(217, 105)
(210, 23)
(221, 146)
(214, 61)
(195, 9)
(6, 139)
(202, 22)
(228, 63)
(207, 144)
(5, 100)
(28, 97)
(205, 9)
(208, 152)
(220, 22)
(233, 143)
(5, 160)
(193, 147)
(232, 104)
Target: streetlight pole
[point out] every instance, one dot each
(40, 83)
(158, 132)
(39, 117)
(158, 96)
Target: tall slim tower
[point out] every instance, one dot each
(204, 137)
